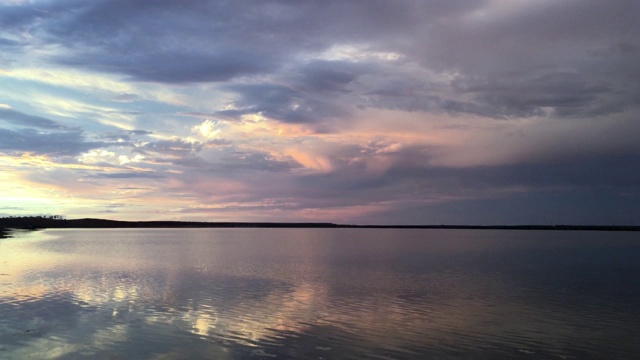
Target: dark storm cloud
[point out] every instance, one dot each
(330, 76)
(313, 93)
(612, 171)
(196, 41)
(68, 143)
(21, 17)
(568, 94)
(281, 103)
(537, 65)
(543, 57)
(410, 179)
(527, 36)
(176, 67)
(544, 207)
(21, 119)
(573, 58)
(163, 41)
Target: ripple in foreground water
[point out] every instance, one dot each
(319, 294)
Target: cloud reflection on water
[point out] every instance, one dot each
(164, 294)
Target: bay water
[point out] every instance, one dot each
(319, 294)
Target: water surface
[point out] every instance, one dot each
(319, 294)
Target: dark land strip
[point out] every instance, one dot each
(37, 222)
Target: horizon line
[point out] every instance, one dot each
(41, 222)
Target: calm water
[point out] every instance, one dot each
(319, 294)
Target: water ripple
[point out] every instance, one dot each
(206, 294)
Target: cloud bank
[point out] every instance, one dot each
(464, 112)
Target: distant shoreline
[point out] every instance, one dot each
(47, 223)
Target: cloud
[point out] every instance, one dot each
(280, 103)
(68, 143)
(127, 38)
(129, 175)
(355, 110)
(329, 76)
(124, 137)
(8, 43)
(208, 129)
(195, 41)
(559, 94)
(314, 93)
(25, 120)
(172, 147)
(228, 159)
(174, 67)
(537, 56)
(498, 54)
(140, 132)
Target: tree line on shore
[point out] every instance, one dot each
(59, 221)
(30, 222)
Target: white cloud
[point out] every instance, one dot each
(209, 129)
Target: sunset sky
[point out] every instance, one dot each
(364, 112)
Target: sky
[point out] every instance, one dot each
(355, 112)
